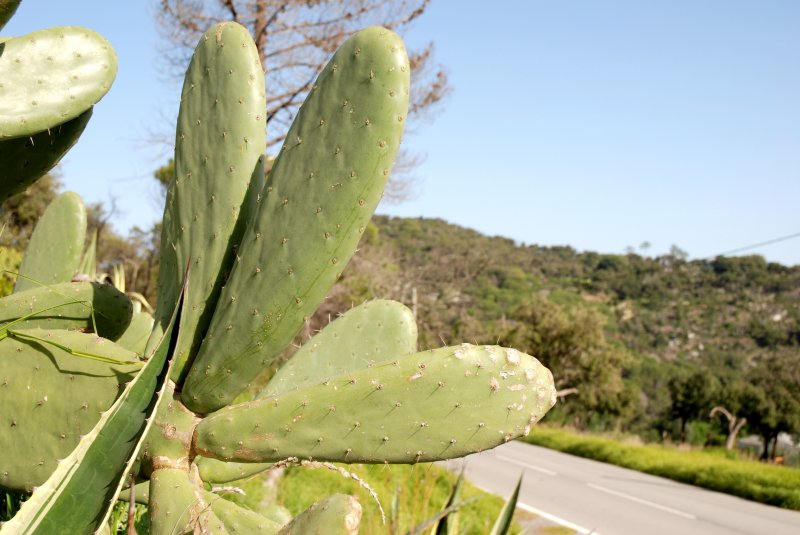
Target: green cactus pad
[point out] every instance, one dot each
(219, 142)
(46, 308)
(136, 334)
(50, 398)
(141, 493)
(238, 519)
(178, 507)
(79, 495)
(320, 194)
(361, 337)
(336, 515)
(24, 160)
(429, 406)
(56, 246)
(7, 9)
(217, 472)
(51, 76)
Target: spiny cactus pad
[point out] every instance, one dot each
(24, 160)
(320, 194)
(216, 471)
(336, 515)
(361, 337)
(438, 404)
(56, 246)
(69, 306)
(135, 336)
(51, 76)
(219, 141)
(50, 398)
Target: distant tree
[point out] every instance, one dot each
(692, 395)
(572, 344)
(21, 212)
(776, 407)
(677, 253)
(294, 40)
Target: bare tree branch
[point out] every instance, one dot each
(294, 39)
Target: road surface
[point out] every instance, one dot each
(592, 497)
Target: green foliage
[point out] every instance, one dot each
(773, 485)
(9, 264)
(645, 319)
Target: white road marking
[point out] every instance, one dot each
(526, 465)
(552, 518)
(643, 502)
(557, 520)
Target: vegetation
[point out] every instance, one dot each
(169, 417)
(718, 470)
(642, 345)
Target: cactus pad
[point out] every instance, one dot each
(47, 308)
(56, 246)
(51, 76)
(336, 515)
(50, 398)
(429, 406)
(136, 334)
(361, 337)
(320, 194)
(23, 160)
(219, 142)
(215, 471)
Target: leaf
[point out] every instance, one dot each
(443, 527)
(503, 522)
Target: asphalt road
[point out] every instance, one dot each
(602, 499)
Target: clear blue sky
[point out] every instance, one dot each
(598, 125)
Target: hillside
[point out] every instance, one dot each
(634, 335)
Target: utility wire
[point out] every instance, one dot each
(756, 245)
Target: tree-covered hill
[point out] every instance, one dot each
(636, 343)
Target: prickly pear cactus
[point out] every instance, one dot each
(52, 76)
(259, 263)
(56, 245)
(219, 144)
(57, 375)
(50, 397)
(322, 190)
(23, 160)
(49, 81)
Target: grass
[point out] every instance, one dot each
(421, 491)
(714, 470)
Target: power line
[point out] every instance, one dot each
(756, 245)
